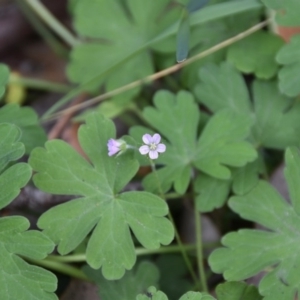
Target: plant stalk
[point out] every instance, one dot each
(52, 22)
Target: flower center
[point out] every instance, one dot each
(152, 146)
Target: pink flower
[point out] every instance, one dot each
(114, 146)
(152, 147)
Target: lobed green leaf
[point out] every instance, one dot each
(248, 252)
(99, 209)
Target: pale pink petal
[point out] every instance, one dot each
(144, 150)
(161, 148)
(113, 147)
(147, 139)
(156, 138)
(153, 154)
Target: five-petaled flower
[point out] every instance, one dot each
(114, 146)
(152, 147)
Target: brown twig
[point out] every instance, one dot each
(164, 72)
(63, 121)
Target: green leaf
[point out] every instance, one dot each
(18, 279)
(120, 34)
(152, 294)
(247, 252)
(33, 135)
(222, 87)
(10, 147)
(211, 192)
(276, 116)
(256, 54)
(183, 37)
(15, 177)
(246, 178)
(289, 56)
(100, 209)
(194, 5)
(135, 281)
(287, 11)
(94, 22)
(196, 296)
(237, 291)
(222, 144)
(4, 76)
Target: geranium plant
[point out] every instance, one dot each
(207, 96)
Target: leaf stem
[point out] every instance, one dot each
(39, 84)
(199, 250)
(177, 236)
(60, 267)
(75, 258)
(52, 22)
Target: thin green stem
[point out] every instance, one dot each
(59, 267)
(177, 236)
(52, 22)
(76, 258)
(200, 250)
(54, 43)
(38, 84)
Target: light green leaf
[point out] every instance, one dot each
(196, 296)
(10, 147)
(222, 87)
(33, 135)
(222, 143)
(246, 178)
(248, 252)
(134, 282)
(287, 11)
(289, 56)
(100, 208)
(237, 291)
(211, 192)
(276, 116)
(152, 294)
(256, 54)
(15, 177)
(118, 37)
(4, 76)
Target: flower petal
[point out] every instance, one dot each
(144, 149)
(147, 138)
(153, 154)
(161, 148)
(156, 138)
